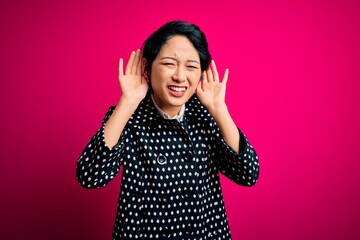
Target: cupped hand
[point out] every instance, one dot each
(133, 84)
(210, 91)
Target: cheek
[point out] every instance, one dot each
(195, 78)
(158, 82)
(160, 74)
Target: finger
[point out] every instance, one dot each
(214, 71)
(199, 86)
(226, 76)
(204, 76)
(139, 65)
(130, 63)
(210, 75)
(136, 62)
(205, 79)
(121, 67)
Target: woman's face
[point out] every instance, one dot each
(175, 74)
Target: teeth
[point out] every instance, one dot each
(177, 89)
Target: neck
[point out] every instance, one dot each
(171, 111)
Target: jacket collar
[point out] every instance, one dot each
(149, 115)
(178, 117)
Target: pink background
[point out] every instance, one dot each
(293, 89)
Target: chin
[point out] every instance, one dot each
(178, 102)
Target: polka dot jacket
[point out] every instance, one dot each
(170, 179)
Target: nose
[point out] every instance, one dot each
(179, 75)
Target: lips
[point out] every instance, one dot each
(177, 91)
(177, 88)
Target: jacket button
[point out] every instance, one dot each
(165, 232)
(165, 197)
(161, 159)
(187, 193)
(189, 230)
(187, 157)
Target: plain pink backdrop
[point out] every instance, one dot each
(293, 88)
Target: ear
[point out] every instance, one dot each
(143, 66)
(144, 72)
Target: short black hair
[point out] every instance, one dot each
(157, 39)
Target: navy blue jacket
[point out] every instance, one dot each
(170, 181)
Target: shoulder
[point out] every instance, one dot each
(145, 113)
(195, 108)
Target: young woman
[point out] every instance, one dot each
(172, 134)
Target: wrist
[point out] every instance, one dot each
(218, 110)
(128, 102)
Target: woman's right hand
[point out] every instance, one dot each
(133, 85)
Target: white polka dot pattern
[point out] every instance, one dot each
(170, 184)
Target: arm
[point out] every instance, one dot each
(242, 167)
(98, 164)
(237, 159)
(211, 93)
(227, 127)
(102, 157)
(133, 87)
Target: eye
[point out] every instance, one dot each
(169, 64)
(193, 67)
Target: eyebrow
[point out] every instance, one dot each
(172, 58)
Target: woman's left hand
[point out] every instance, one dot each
(210, 91)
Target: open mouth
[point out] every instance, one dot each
(177, 88)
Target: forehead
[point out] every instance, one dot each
(179, 47)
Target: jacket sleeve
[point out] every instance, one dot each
(242, 167)
(98, 164)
